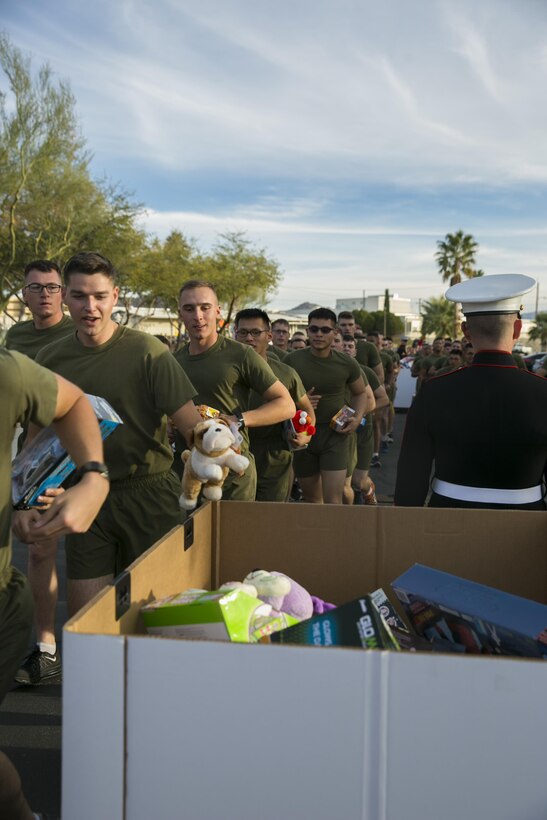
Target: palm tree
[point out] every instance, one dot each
(539, 330)
(437, 317)
(456, 256)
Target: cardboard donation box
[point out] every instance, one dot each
(161, 727)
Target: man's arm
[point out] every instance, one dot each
(382, 398)
(185, 419)
(278, 406)
(74, 510)
(416, 457)
(379, 370)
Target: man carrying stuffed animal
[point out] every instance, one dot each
(223, 372)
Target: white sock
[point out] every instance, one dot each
(51, 648)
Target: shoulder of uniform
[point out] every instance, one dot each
(439, 376)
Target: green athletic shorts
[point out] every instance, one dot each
(273, 472)
(326, 451)
(136, 514)
(16, 610)
(352, 456)
(365, 447)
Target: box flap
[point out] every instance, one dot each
(331, 550)
(169, 566)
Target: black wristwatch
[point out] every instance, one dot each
(92, 467)
(239, 416)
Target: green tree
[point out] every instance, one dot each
(155, 278)
(394, 325)
(49, 205)
(437, 317)
(456, 257)
(539, 330)
(242, 274)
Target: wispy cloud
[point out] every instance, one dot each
(347, 136)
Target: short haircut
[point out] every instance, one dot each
(346, 314)
(280, 322)
(373, 333)
(89, 262)
(252, 313)
(42, 265)
(192, 284)
(322, 313)
(347, 337)
(491, 327)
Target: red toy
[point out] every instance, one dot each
(302, 423)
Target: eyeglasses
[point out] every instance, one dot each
(320, 328)
(255, 332)
(36, 287)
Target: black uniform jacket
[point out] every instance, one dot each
(482, 426)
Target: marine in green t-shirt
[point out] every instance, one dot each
(223, 371)
(139, 377)
(30, 393)
(42, 294)
(269, 444)
(327, 375)
(26, 338)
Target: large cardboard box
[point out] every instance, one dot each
(161, 728)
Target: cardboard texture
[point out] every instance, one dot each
(225, 730)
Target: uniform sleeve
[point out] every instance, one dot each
(355, 372)
(416, 457)
(374, 355)
(256, 374)
(170, 385)
(296, 388)
(37, 394)
(372, 378)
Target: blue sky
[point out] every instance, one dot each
(345, 137)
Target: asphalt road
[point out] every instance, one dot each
(30, 717)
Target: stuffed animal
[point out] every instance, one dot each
(282, 593)
(209, 461)
(302, 423)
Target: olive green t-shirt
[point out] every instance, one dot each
(281, 354)
(139, 377)
(273, 433)
(367, 353)
(224, 374)
(27, 393)
(24, 337)
(330, 377)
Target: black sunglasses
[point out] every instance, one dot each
(320, 328)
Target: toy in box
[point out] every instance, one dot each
(475, 618)
(44, 463)
(222, 615)
(357, 623)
